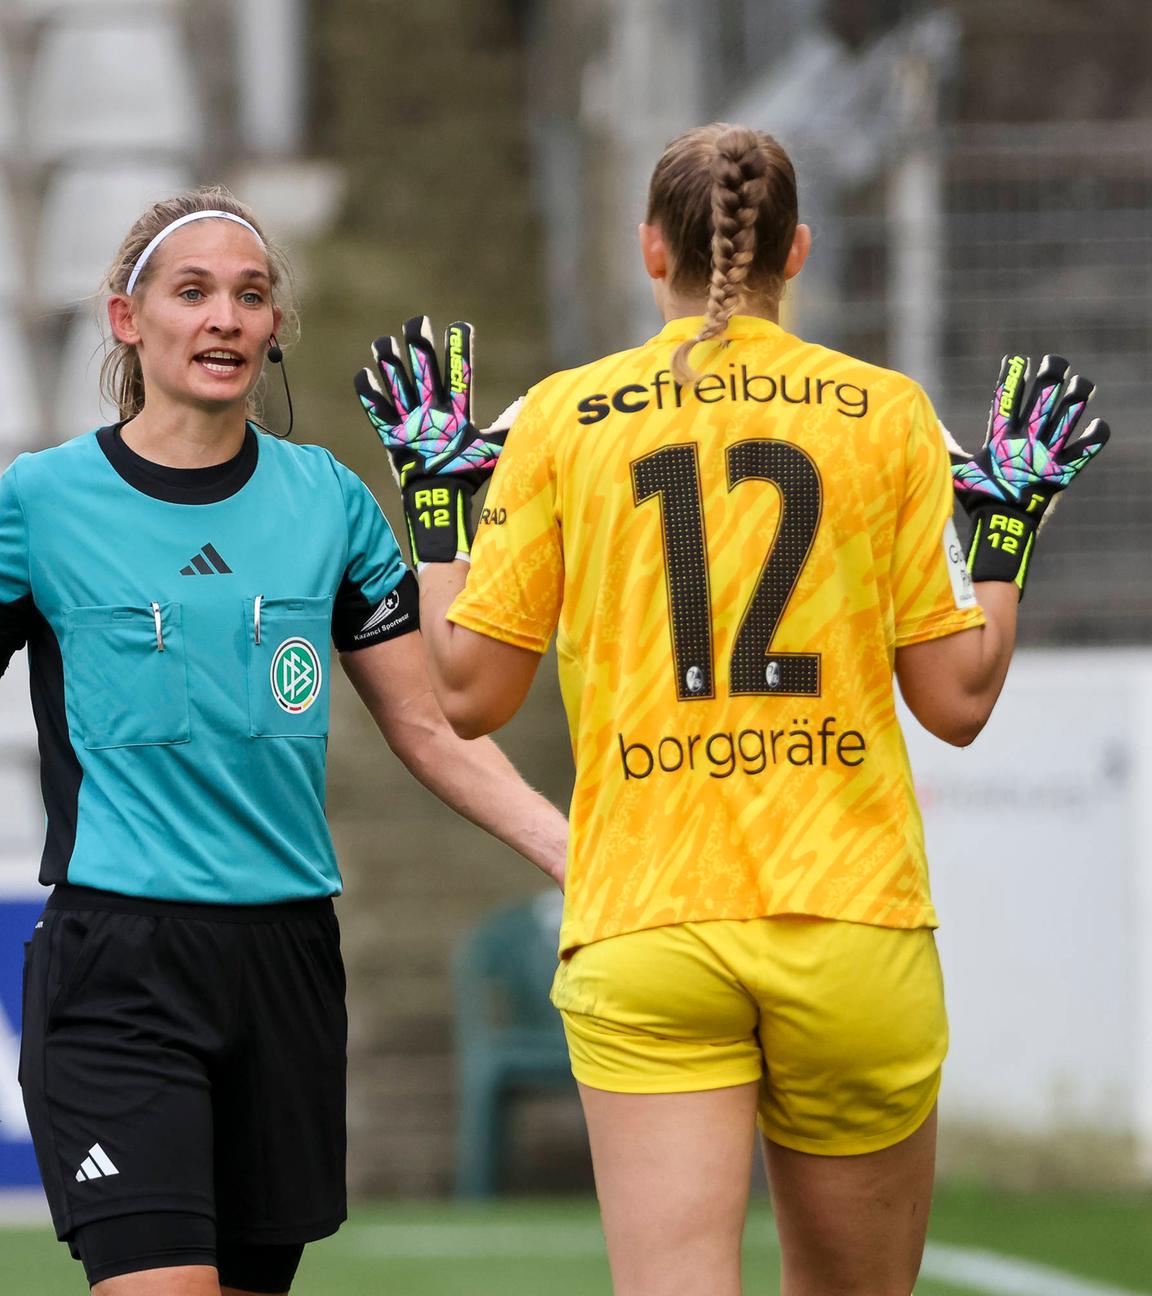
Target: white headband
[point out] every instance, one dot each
(176, 224)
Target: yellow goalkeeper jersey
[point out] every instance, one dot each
(729, 569)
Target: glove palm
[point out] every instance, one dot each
(438, 456)
(1027, 459)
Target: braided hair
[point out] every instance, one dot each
(724, 198)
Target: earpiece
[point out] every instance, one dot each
(275, 354)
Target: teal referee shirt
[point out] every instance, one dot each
(178, 624)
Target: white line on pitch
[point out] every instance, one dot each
(985, 1272)
(1001, 1275)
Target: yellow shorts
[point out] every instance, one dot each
(843, 1024)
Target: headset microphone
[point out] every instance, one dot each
(276, 357)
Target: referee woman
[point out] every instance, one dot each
(734, 560)
(176, 578)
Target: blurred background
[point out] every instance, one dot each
(978, 177)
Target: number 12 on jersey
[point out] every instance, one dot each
(672, 475)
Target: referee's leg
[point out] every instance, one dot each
(172, 1254)
(155, 1254)
(129, 1023)
(191, 1280)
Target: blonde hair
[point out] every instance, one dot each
(724, 198)
(121, 377)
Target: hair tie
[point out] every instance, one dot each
(175, 225)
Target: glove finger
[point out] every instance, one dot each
(1075, 455)
(458, 354)
(1036, 413)
(396, 380)
(1063, 421)
(1006, 398)
(377, 404)
(425, 366)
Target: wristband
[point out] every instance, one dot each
(1001, 544)
(438, 514)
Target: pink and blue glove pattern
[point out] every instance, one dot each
(1028, 458)
(423, 416)
(424, 422)
(1027, 449)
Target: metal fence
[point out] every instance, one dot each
(1042, 242)
(938, 248)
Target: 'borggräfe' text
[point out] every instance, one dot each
(743, 751)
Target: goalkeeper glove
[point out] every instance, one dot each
(439, 457)
(1028, 457)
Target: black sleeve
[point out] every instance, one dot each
(15, 626)
(359, 623)
(16, 608)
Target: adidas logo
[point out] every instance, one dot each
(206, 563)
(96, 1165)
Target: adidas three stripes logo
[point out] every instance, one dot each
(96, 1165)
(206, 563)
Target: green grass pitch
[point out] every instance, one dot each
(524, 1248)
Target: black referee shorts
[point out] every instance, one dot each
(190, 1059)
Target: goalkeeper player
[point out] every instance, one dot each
(738, 538)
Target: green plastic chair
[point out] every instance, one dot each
(508, 1035)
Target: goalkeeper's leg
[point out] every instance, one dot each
(672, 1176)
(854, 1034)
(853, 1223)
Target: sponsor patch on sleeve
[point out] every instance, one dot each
(396, 614)
(963, 592)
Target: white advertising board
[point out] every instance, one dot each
(1040, 847)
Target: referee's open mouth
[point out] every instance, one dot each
(221, 361)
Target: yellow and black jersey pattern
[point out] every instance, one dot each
(729, 569)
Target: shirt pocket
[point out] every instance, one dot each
(126, 675)
(287, 663)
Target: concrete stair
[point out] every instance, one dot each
(424, 105)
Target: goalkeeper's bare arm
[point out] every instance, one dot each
(1028, 457)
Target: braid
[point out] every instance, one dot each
(739, 188)
(724, 197)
